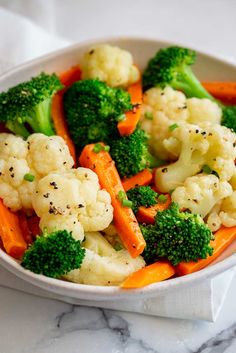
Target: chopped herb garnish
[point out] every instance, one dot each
(127, 203)
(118, 247)
(97, 148)
(162, 198)
(29, 177)
(206, 169)
(173, 127)
(148, 115)
(121, 117)
(107, 148)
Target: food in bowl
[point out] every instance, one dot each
(113, 177)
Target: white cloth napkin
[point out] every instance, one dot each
(22, 40)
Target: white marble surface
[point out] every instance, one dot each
(29, 324)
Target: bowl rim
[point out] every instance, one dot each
(111, 292)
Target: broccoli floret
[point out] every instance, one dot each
(131, 154)
(229, 117)
(28, 105)
(172, 66)
(178, 236)
(54, 254)
(142, 196)
(93, 109)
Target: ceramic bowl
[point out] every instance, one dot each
(206, 68)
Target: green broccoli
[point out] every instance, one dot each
(26, 108)
(172, 66)
(178, 236)
(131, 154)
(142, 196)
(54, 254)
(93, 109)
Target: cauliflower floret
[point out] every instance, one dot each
(48, 154)
(37, 156)
(160, 110)
(111, 65)
(57, 222)
(203, 110)
(228, 211)
(75, 192)
(201, 193)
(12, 146)
(213, 145)
(103, 265)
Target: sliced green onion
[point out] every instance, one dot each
(173, 127)
(118, 247)
(148, 115)
(97, 148)
(121, 117)
(206, 169)
(29, 177)
(107, 148)
(162, 198)
(127, 203)
(121, 195)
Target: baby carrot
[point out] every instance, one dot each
(159, 271)
(11, 233)
(223, 238)
(124, 218)
(141, 179)
(128, 125)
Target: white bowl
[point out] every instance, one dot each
(206, 68)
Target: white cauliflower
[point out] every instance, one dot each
(203, 110)
(200, 193)
(111, 65)
(103, 265)
(35, 158)
(72, 200)
(164, 109)
(228, 211)
(161, 109)
(212, 146)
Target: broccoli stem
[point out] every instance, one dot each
(40, 120)
(17, 128)
(190, 85)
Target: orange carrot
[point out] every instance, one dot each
(141, 179)
(124, 218)
(25, 227)
(159, 271)
(11, 233)
(33, 224)
(70, 76)
(147, 214)
(223, 238)
(128, 125)
(225, 91)
(60, 123)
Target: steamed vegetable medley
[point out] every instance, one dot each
(113, 177)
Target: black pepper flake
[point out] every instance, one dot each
(11, 169)
(47, 147)
(80, 205)
(197, 131)
(234, 144)
(164, 170)
(60, 149)
(85, 175)
(55, 210)
(12, 175)
(91, 52)
(210, 134)
(68, 207)
(51, 203)
(203, 133)
(64, 163)
(0, 173)
(54, 184)
(46, 195)
(6, 144)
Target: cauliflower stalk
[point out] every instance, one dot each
(103, 265)
(72, 200)
(111, 65)
(23, 163)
